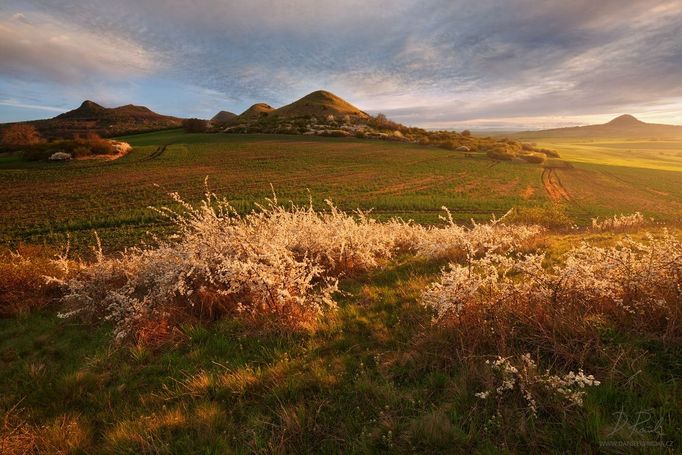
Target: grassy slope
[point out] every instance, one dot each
(393, 178)
(619, 152)
(619, 175)
(361, 384)
(43, 201)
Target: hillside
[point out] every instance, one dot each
(320, 103)
(322, 113)
(92, 117)
(254, 113)
(624, 126)
(223, 117)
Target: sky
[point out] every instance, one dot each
(429, 63)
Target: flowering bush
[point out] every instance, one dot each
(220, 263)
(333, 239)
(617, 222)
(455, 242)
(497, 298)
(275, 262)
(518, 381)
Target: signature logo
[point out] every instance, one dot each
(647, 424)
(642, 422)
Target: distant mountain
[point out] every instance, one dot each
(223, 117)
(316, 106)
(92, 117)
(623, 126)
(320, 104)
(87, 110)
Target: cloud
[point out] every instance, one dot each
(15, 103)
(42, 48)
(425, 63)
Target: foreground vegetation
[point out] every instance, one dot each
(234, 338)
(295, 329)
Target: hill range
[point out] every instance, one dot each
(316, 104)
(320, 105)
(624, 126)
(92, 117)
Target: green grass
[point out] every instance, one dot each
(365, 381)
(43, 201)
(638, 154)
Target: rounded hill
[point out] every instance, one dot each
(255, 112)
(223, 117)
(320, 103)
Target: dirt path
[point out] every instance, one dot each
(552, 183)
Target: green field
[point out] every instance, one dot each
(663, 155)
(620, 175)
(376, 376)
(43, 201)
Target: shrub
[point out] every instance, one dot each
(334, 133)
(517, 382)
(618, 222)
(222, 264)
(22, 278)
(80, 152)
(275, 265)
(95, 144)
(380, 122)
(500, 153)
(195, 125)
(466, 133)
(20, 135)
(448, 145)
(532, 158)
(500, 301)
(456, 242)
(548, 152)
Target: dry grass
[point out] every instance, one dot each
(63, 435)
(23, 284)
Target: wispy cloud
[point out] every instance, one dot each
(37, 46)
(15, 103)
(436, 62)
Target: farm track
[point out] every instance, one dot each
(157, 153)
(553, 186)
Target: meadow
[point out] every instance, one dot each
(43, 201)
(621, 174)
(299, 329)
(47, 199)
